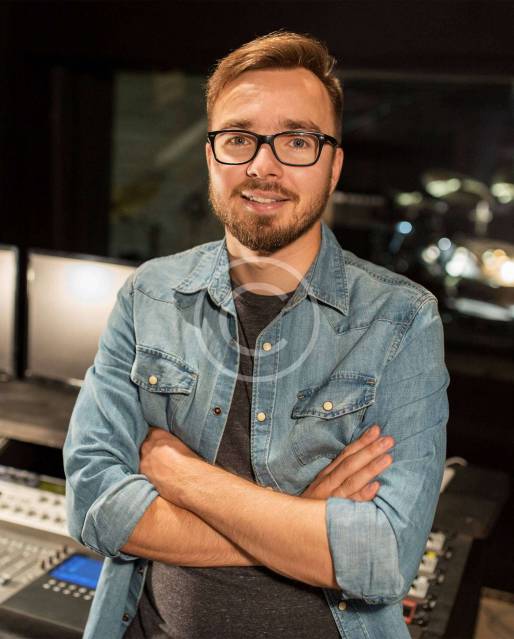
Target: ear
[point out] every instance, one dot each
(208, 155)
(337, 165)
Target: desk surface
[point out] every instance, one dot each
(35, 412)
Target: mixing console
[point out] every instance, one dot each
(41, 566)
(32, 500)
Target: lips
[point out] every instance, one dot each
(263, 203)
(263, 197)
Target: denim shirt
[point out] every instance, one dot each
(355, 345)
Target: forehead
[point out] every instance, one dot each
(271, 100)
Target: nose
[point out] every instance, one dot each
(264, 164)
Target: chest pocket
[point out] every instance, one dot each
(327, 415)
(166, 386)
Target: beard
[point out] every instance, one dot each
(263, 233)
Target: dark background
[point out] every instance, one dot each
(57, 64)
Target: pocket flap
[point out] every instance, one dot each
(160, 372)
(343, 393)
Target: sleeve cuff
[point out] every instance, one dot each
(114, 515)
(364, 551)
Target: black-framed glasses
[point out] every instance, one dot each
(293, 148)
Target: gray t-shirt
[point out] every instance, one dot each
(233, 602)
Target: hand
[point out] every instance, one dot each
(161, 457)
(350, 473)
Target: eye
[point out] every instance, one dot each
(300, 143)
(236, 140)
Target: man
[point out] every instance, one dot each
(276, 371)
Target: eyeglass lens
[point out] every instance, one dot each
(292, 148)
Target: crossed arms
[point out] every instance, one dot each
(192, 513)
(209, 517)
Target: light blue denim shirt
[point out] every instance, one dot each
(355, 345)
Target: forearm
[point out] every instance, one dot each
(286, 533)
(176, 536)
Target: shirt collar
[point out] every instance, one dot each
(325, 280)
(327, 275)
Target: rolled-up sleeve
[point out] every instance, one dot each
(105, 494)
(376, 546)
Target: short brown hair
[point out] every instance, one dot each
(279, 50)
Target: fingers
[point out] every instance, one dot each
(351, 473)
(359, 469)
(356, 462)
(367, 493)
(359, 480)
(368, 437)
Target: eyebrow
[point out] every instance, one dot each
(288, 125)
(236, 124)
(306, 125)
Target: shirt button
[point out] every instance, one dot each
(261, 416)
(152, 380)
(126, 616)
(267, 346)
(342, 605)
(328, 405)
(216, 410)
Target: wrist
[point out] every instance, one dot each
(186, 475)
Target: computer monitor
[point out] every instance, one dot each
(69, 301)
(8, 296)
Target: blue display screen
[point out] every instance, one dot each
(80, 570)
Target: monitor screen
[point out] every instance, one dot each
(80, 570)
(8, 276)
(69, 301)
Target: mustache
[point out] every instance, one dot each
(254, 185)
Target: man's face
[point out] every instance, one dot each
(266, 102)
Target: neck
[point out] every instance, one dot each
(276, 273)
